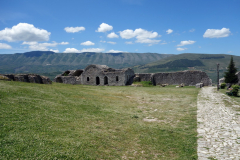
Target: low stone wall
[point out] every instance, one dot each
(30, 78)
(188, 78)
(68, 79)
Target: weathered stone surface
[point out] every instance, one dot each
(10, 76)
(221, 80)
(21, 78)
(103, 75)
(199, 85)
(31, 78)
(144, 76)
(97, 75)
(46, 80)
(5, 78)
(238, 74)
(35, 78)
(68, 79)
(189, 78)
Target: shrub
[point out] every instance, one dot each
(223, 85)
(147, 83)
(65, 74)
(235, 90)
(144, 83)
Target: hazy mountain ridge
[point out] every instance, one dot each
(47, 61)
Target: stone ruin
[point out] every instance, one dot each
(188, 78)
(103, 75)
(97, 75)
(30, 78)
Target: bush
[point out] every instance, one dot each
(144, 83)
(223, 85)
(235, 90)
(147, 83)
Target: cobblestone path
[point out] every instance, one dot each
(218, 126)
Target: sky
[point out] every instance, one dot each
(136, 26)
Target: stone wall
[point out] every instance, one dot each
(144, 76)
(238, 74)
(30, 78)
(188, 78)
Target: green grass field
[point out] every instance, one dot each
(62, 121)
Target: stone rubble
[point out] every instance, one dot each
(218, 126)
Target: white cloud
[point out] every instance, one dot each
(74, 29)
(142, 36)
(42, 46)
(181, 49)
(192, 30)
(103, 41)
(111, 42)
(104, 28)
(64, 43)
(54, 50)
(114, 51)
(129, 42)
(24, 32)
(92, 50)
(112, 35)
(5, 46)
(169, 31)
(88, 43)
(183, 43)
(71, 50)
(163, 43)
(127, 34)
(152, 41)
(217, 33)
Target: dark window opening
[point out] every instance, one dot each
(97, 80)
(59, 80)
(77, 72)
(116, 78)
(105, 80)
(87, 78)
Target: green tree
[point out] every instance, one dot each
(230, 75)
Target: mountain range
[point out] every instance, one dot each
(50, 64)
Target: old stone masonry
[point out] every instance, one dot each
(218, 126)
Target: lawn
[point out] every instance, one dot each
(62, 121)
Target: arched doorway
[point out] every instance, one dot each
(97, 80)
(105, 80)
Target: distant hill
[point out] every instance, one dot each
(48, 62)
(190, 61)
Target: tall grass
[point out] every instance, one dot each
(62, 121)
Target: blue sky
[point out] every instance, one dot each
(140, 26)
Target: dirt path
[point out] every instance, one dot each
(218, 126)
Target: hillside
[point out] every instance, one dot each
(48, 62)
(190, 61)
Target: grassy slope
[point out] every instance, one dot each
(96, 122)
(209, 67)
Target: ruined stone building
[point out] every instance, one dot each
(97, 75)
(103, 75)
